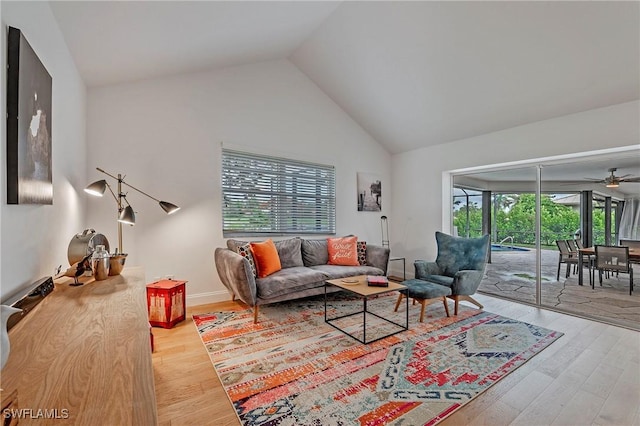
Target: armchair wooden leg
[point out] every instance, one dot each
(255, 314)
(423, 305)
(425, 302)
(233, 297)
(446, 305)
(458, 297)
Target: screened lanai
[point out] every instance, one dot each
(526, 209)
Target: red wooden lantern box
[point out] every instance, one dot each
(166, 302)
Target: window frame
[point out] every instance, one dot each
(297, 197)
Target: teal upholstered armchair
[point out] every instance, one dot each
(460, 265)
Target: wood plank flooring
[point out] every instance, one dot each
(591, 375)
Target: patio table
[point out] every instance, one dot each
(634, 256)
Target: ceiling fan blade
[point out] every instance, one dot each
(631, 179)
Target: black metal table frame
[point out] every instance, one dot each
(364, 313)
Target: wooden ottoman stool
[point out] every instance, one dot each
(425, 293)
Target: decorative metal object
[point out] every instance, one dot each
(85, 243)
(5, 313)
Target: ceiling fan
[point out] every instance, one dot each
(613, 181)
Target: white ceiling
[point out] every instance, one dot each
(118, 41)
(412, 74)
(564, 175)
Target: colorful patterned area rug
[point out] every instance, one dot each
(293, 369)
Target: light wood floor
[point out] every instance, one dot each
(591, 375)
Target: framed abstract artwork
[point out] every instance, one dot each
(369, 192)
(29, 174)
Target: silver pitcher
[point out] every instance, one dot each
(100, 263)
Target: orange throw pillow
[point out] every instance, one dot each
(266, 258)
(343, 251)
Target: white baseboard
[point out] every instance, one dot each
(208, 297)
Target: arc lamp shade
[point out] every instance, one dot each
(127, 216)
(97, 188)
(169, 207)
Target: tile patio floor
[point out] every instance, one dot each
(512, 275)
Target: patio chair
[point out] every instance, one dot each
(573, 249)
(613, 259)
(586, 258)
(565, 257)
(460, 265)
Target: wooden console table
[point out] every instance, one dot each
(83, 355)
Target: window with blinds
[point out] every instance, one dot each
(268, 195)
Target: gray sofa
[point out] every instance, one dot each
(304, 271)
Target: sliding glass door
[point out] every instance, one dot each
(502, 204)
(538, 217)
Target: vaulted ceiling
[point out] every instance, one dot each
(412, 74)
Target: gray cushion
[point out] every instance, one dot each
(338, 271)
(315, 252)
(234, 244)
(288, 281)
(289, 252)
(439, 279)
(425, 290)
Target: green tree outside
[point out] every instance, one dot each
(516, 216)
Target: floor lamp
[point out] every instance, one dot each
(125, 213)
(385, 231)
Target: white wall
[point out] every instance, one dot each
(34, 238)
(166, 134)
(417, 176)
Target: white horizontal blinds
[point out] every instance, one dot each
(269, 195)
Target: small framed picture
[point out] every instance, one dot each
(369, 192)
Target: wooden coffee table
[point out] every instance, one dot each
(365, 292)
